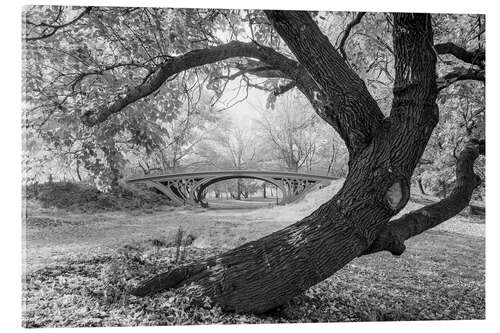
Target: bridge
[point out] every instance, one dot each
(189, 188)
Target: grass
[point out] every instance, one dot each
(79, 266)
(433, 280)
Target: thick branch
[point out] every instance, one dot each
(392, 236)
(415, 66)
(350, 110)
(349, 101)
(476, 57)
(105, 68)
(460, 74)
(278, 64)
(197, 58)
(414, 112)
(264, 71)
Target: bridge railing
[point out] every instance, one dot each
(202, 174)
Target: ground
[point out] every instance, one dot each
(79, 265)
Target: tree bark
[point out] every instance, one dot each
(392, 236)
(347, 98)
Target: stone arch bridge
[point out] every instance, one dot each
(189, 188)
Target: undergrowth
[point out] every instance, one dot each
(83, 197)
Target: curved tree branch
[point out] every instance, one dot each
(282, 67)
(349, 108)
(392, 236)
(189, 60)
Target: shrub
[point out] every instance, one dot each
(84, 197)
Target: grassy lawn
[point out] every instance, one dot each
(78, 267)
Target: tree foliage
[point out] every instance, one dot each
(79, 59)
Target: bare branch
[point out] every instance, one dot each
(55, 28)
(347, 31)
(476, 57)
(460, 74)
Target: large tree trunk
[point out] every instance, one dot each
(265, 273)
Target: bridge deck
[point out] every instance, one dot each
(204, 174)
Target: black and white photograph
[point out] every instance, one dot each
(213, 165)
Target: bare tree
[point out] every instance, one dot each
(291, 132)
(232, 147)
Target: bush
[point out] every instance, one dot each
(80, 196)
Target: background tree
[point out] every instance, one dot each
(230, 148)
(190, 126)
(291, 133)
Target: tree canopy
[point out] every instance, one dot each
(138, 75)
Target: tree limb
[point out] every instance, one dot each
(414, 112)
(356, 112)
(414, 78)
(104, 68)
(55, 28)
(392, 236)
(189, 60)
(350, 109)
(283, 66)
(460, 74)
(264, 71)
(476, 57)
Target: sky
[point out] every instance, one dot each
(243, 114)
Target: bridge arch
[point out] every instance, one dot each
(204, 184)
(187, 188)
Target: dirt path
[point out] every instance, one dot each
(53, 235)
